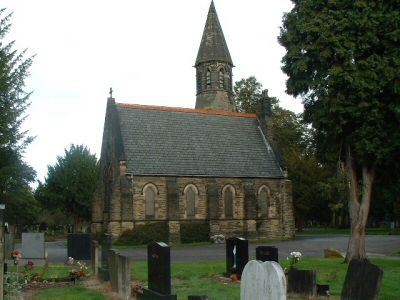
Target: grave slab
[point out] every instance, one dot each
(95, 258)
(79, 246)
(237, 256)
(267, 253)
(106, 245)
(33, 246)
(302, 281)
(159, 273)
(363, 281)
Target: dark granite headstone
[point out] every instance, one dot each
(302, 281)
(267, 253)
(198, 297)
(363, 281)
(42, 226)
(237, 255)
(322, 289)
(79, 246)
(159, 273)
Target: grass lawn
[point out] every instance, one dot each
(69, 293)
(196, 277)
(370, 231)
(203, 277)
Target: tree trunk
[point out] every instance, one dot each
(359, 204)
(77, 222)
(300, 223)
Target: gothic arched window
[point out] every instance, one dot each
(264, 196)
(264, 203)
(190, 202)
(228, 202)
(150, 196)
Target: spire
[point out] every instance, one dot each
(213, 46)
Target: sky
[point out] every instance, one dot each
(144, 50)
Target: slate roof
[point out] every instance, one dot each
(213, 46)
(193, 142)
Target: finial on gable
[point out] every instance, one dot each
(110, 99)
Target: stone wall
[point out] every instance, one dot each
(127, 206)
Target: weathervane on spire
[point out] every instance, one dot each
(111, 91)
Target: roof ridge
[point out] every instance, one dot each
(188, 110)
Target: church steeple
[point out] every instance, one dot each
(214, 67)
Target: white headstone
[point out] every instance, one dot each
(263, 280)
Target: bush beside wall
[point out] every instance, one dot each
(144, 234)
(192, 232)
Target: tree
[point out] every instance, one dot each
(70, 184)
(15, 174)
(247, 95)
(343, 59)
(294, 138)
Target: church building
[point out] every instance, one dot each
(209, 164)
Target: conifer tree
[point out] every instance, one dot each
(15, 174)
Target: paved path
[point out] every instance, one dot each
(307, 245)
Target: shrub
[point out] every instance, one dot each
(99, 236)
(144, 234)
(193, 231)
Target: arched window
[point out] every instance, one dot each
(264, 203)
(228, 202)
(190, 202)
(150, 196)
(221, 78)
(208, 78)
(264, 196)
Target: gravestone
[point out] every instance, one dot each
(112, 266)
(302, 281)
(237, 256)
(95, 257)
(322, 289)
(159, 273)
(105, 246)
(42, 226)
(363, 281)
(120, 274)
(263, 281)
(79, 246)
(267, 253)
(33, 246)
(198, 297)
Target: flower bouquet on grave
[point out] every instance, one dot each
(16, 256)
(76, 274)
(294, 258)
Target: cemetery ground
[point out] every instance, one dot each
(204, 277)
(195, 274)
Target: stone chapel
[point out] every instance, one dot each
(209, 164)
